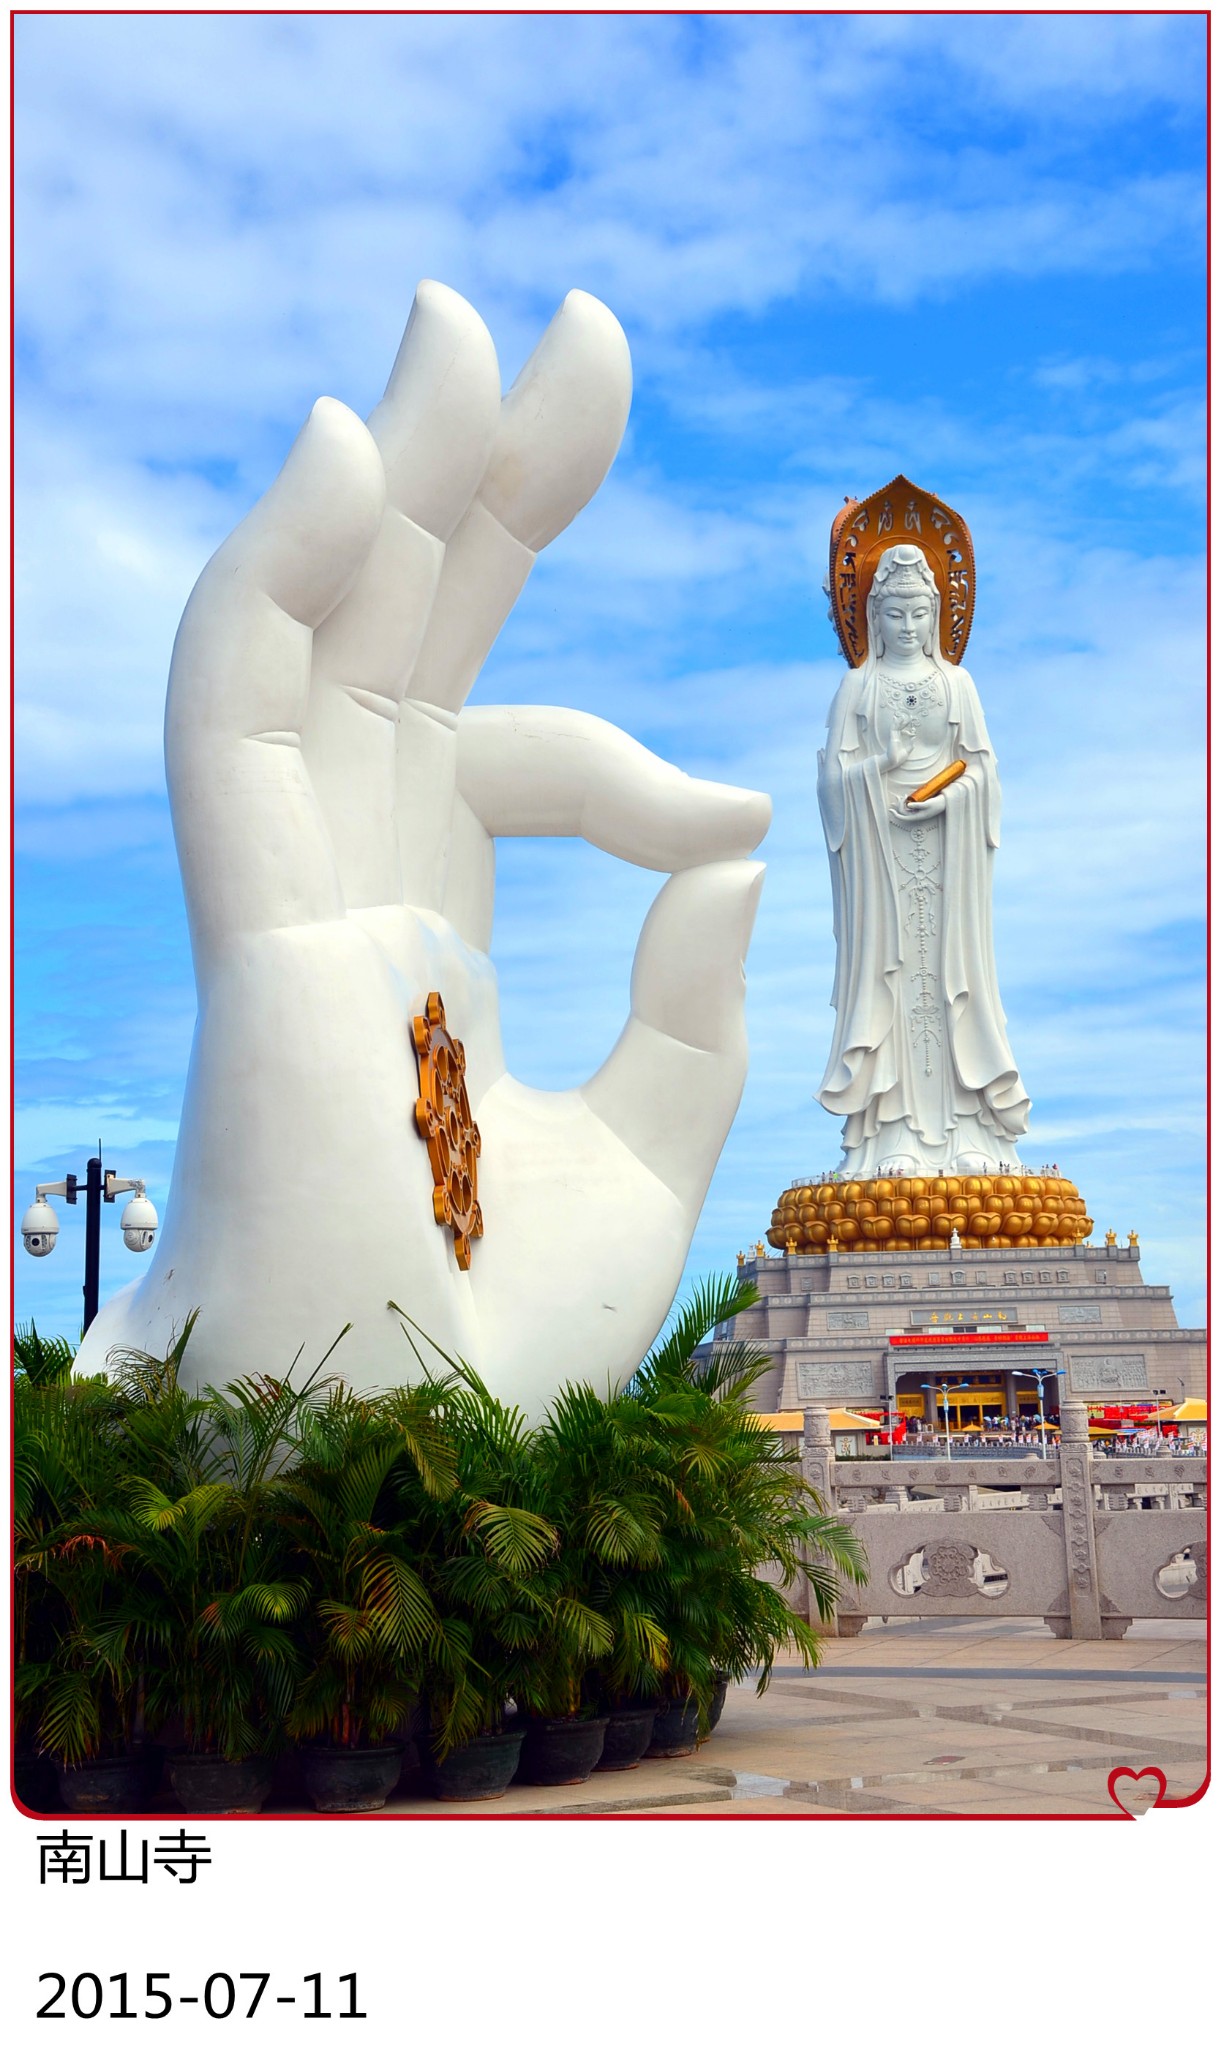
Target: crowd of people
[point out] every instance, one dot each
(1024, 1436)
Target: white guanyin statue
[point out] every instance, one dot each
(920, 1068)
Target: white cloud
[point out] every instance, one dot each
(106, 556)
(223, 208)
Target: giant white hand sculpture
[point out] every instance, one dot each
(335, 810)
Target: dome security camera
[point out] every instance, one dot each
(139, 1223)
(39, 1229)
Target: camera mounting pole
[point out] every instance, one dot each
(39, 1228)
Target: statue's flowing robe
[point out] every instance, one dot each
(869, 1079)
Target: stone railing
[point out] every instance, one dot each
(1069, 1538)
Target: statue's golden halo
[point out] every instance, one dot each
(900, 513)
(923, 1213)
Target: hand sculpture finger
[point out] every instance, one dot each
(251, 841)
(672, 1085)
(559, 431)
(435, 427)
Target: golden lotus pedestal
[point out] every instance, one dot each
(991, 1212)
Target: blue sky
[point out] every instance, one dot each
(968, 247)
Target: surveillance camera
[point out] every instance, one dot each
(39, 1229)
(138, 1223)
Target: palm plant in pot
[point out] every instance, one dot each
(480, 1550)
(204, 1498)
(599, 1645)
(743, 1526)
(83, 1619)
(350, 1505)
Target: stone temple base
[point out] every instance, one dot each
(828, 1319)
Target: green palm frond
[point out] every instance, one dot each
(512, 1537)
(44, 1361)
(70, 1724)
(397, 1602)
(348, 1628)
(716, 1299)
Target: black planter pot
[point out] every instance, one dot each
(481, 1769)
(717, 1703)
(151, 1759)
(35, 1783)
(675, 1729)
(629, 1731)
(288, 1781)
(210, 1784)
(413, 1731)
(107, 1784)
(562, 1750)
(351, 1780)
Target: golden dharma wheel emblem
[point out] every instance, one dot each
(444, 1121)
(900, 514)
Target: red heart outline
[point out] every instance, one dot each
(1150, 1771)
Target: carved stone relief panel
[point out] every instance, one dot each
(1075, 1492)
(848, 1319)
(1184, 1573)
(1117, 1372)
(820, 1379)
(949, 1571)
(1081, 1312)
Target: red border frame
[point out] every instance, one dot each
(25, 13)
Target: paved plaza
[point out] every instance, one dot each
(927, 1717)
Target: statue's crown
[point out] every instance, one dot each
(900, 517)
(903, 581)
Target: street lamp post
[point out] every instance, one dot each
(1040, 1373)
(887, 1432)
(945, 1388)
(40, 1224)
(1159, 1395)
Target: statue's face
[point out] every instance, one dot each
(904, 624)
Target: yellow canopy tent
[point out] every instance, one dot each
(1190, 1411)
(846, 1418)
(793, 1419)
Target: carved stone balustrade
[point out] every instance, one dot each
(1089, 1544)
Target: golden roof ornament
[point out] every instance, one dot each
(860, 534)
